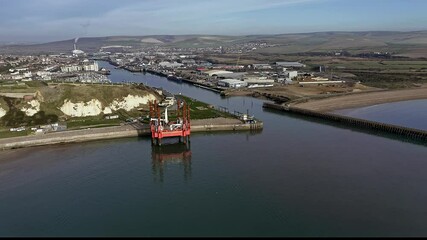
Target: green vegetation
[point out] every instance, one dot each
(390, 81)
(34, 84)
(377, 65)
(198, 110)
(78, 123)
(5, 68)
(3, 104)
(16, 118)
(201, 110)
(9, 134)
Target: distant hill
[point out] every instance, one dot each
(411, 44)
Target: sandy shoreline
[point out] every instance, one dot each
(363, 99)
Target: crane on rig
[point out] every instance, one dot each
(163, 128)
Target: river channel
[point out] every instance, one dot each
(297, 177)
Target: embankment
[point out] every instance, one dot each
(133, 130)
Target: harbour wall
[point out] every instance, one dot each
(85, 135)
(411, 133)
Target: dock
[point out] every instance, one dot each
(126, 131)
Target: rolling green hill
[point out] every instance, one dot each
(410, 44)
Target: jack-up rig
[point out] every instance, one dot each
(162, 128)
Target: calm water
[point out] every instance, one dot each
(295, 178)
(407, 113)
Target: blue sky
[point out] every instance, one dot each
(49, 20)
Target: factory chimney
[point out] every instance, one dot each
(75, 43)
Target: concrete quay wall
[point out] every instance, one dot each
(107, 133)
(66, 137)
(227, 127)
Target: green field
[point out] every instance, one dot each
(201, 110)
(378, 65)
(78, 123)
(9, 134)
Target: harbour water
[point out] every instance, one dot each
(411, 114)
(295, 178)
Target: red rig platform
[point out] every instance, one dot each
(162, 128)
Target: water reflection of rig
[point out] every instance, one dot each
(163, 128)
(170, 154)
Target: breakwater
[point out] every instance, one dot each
(411, 133)
(133, 130)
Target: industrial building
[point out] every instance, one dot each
(232, 83)
(212, 73)
(71, 68)
(233, 75)
(290, 75)
(166, 64)
(264, 66)
(258, 80)
(90, 66)
(87, 66)
(290, 64)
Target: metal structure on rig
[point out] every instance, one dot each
(162, 128)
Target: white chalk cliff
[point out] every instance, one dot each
(130, 102)
(2, 112)
(81, 109)
(94, 107)
(32, 109)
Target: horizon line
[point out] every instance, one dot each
(201, 34)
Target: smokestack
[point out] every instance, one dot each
(75, 43)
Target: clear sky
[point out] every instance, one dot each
(49, 20)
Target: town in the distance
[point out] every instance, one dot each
(52, 87)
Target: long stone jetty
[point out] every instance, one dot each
(411, 133)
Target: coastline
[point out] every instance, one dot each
(362, 99)
(131, 130)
